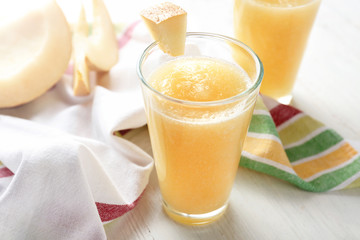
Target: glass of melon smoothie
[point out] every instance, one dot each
(198, 107)
(277, 30)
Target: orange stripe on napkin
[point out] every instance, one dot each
(266, 148)
(331, 160)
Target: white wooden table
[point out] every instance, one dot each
(263, 207)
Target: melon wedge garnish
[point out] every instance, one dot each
(97, 51)
(102, 49)
(35, 50)
(81, 83)
(167, 25)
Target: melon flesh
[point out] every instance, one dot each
(81, 82)
(167, 25)
(102, 50)
(35, 50)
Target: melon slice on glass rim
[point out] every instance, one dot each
(166, 23)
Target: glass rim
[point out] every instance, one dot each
(254, 86)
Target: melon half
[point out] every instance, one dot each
(35, 50)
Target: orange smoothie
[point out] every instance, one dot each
(277, 30)
(197, 150)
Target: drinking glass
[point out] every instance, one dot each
(277, 30)
(197, 145)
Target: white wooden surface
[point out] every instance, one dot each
(263, 207)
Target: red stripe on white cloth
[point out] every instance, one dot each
(125, 131)
(110, 212)
(283, 113)
(70, 69)
(125, 38)
(5, 172)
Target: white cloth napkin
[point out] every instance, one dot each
(64, 173)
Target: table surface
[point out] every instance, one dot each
(263, 207)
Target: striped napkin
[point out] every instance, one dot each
(286, 143)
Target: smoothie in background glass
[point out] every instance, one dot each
(277, 31)
(199, 107)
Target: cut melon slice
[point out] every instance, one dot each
(81, 83)
(102, 49)
(167, 25)
(35, 50)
